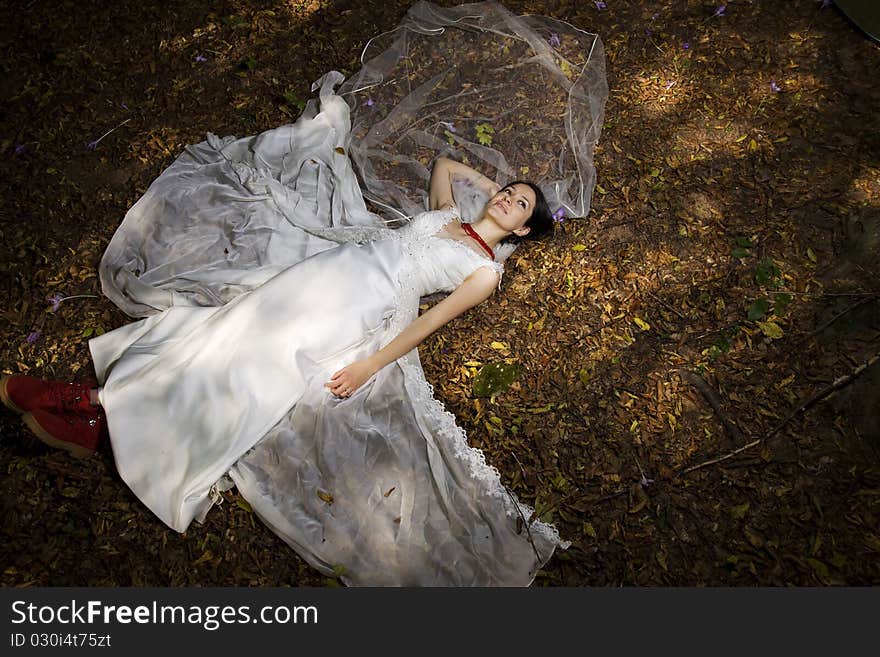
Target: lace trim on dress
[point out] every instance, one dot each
(474, 458)
(356, 234)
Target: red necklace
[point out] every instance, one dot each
(470, 231)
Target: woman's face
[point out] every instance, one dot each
(512, 206)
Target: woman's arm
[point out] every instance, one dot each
(476, 288)
(441, 181)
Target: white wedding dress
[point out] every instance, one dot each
(382, 487)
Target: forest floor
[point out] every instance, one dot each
(693, 407)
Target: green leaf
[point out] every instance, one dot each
(766, 271)
(781, 301)
(739, 511)
(739, 252)
(294, 100)
(484, 133)
(88, 332)
(771, 329)
(758, 309)
(243, 504)
(744, 242)
(494, 378)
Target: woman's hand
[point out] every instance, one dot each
(351, 377)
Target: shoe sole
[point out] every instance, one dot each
(4, 395)
(78, 451)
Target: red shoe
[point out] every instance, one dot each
(78, 434)
(26, 393)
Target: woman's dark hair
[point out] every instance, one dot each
(541, 221)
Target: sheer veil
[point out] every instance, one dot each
(516, 97)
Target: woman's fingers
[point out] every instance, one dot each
(340, 384)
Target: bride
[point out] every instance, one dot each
(280, 351)
(361, 471)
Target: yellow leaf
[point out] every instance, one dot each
(584, 375)
(589, 530)
(771, 329)
(579, 247)
(499, 346)
(206, 556)
(642, 324)
(739, 511)
(327, 497)
(743, 138)
(524, 171)
(473, 363)
(820, 568)
(811, 255)
(600, 189)
(661, 560)
(634, 426)
(787, 380)
(340, 150)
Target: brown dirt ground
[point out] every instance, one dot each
(716, 191)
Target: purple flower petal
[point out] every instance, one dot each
(669, 84)
(599, 4)
(92, 145)
(369, 102)
(825, 4)
(686, 45)
(32, 337)
(200, 58)
(56, 300)
(123, 105)
(720, 11)
(774, 87)
(554, 40)
(559, 215)
(20, 148)
(449, 126)
(648, 32)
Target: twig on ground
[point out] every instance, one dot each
(846, 311)
(666, 305)
(710, 396)
(524, 520)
